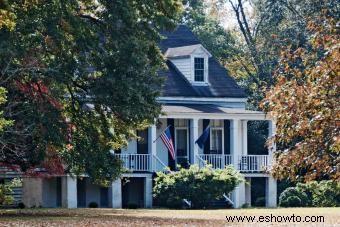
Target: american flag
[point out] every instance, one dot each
(167, 140)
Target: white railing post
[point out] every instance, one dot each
(136, 162)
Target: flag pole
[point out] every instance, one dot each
(161, 134)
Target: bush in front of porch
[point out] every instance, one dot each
(197, 185)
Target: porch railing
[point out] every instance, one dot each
(218, 161)
(244, 163)
(136, 162)
(253, 163)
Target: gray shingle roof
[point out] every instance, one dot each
(221, 84)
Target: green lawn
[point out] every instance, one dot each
(157, 217)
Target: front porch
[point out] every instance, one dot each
(227, 143)
(244, 163)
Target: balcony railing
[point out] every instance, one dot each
(218, 161)
(245, 163)
(253, 163)
(136, 162)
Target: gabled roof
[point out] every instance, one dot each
(184, 51)
(221, 84)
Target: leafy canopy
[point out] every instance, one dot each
(304, 101)
(81, 76)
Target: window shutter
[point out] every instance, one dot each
(226, 137)
(206, 149)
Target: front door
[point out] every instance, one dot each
(182, 157)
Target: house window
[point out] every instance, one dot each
(199, 69)
(216, 138)
(216, 141)
(182, 146)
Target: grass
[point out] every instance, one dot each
(157, 217)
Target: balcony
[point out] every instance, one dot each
(253, 163)
(151, 163)
(136, 162)
(218, 161)
(245, 163)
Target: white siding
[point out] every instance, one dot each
(184, 66)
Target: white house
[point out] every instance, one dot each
(198, 92)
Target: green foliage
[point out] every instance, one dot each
(292, 197)
(220, 42)
(323, 193)
(316, 194)
(81, 76)
(3, 122)
(293, 201)
(200, 186)
(6, 197)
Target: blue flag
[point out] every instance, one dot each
(203, 138)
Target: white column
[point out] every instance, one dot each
(271, 192)
(239, 195)
(69, 192)
(244, 137)
(148, 192)
(235, 141)
(193, 138)
(248, 191)
(152, 138)
(152, 145)
(116, 198)
(272, 145)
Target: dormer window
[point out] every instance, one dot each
(192, 62)
(199, 69)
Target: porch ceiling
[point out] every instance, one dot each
(210, 112)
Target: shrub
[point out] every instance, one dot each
(6, 197)
(288, 198)
(294, 201)
(323, 193)
(198, 185)
(93, 205)
(317, 194)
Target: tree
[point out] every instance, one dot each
(208, 29)
(3, 122)
(81, 77)
(304, 102)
